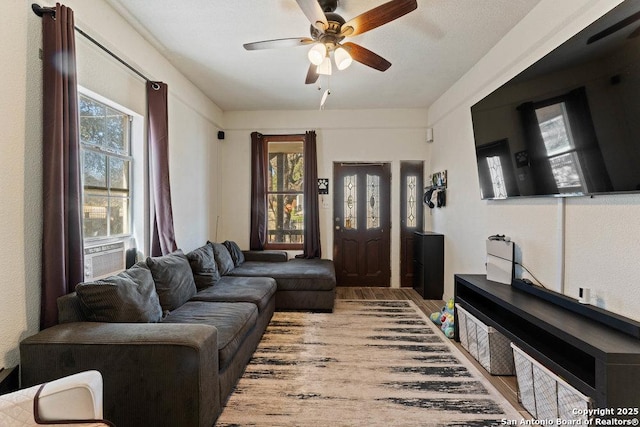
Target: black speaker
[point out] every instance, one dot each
(220, 134)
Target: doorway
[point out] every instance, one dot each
(362, 224)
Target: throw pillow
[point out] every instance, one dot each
(173, 278)
(204, 267)
(129, 296)
(223, 258)
(234, 251)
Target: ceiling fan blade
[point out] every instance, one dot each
(314, 13)
(272, 44)
(312, 75)
(366, 57)
(615, 27)
(378, 16)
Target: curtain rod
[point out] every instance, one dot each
(40, 11)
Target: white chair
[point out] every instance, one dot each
(75, 400)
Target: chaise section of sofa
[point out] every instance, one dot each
(303, 284)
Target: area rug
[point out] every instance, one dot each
(369, 363)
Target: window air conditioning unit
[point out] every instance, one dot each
(103, 260)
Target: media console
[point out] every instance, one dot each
(595, 351)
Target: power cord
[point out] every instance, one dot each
(525, 268)
(530, 273)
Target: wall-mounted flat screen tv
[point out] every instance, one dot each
(568, 125)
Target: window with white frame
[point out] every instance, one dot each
(105, 143)
(285, 192)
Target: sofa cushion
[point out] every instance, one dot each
(266, 256)
(204, 267)
(70, 309)
(223, 258)
(129, 296)
(234, 320)
(293, 275)
(257, 290)
(173, 279)
(234, 250)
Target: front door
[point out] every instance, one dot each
(362, 223)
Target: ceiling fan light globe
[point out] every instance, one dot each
(325, 67)
(342, 58)
(317, 53)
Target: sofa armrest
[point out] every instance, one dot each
(153, 373)
(266, 256)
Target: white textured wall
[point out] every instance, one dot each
(193, 119)
(600, 234)
(194, 180)
(193, 123)
(20, 185)
(372, 135)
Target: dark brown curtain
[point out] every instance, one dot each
(311, 246)
(163, 239)
(62, 252)
(258, 232)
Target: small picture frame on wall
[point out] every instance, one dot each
(323, 185)
(439, 179)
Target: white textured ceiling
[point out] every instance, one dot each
(429, 48)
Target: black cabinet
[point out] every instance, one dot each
(595, 351)
(428, 264)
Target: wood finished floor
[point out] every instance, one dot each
(507, 386)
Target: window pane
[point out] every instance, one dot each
(497, 178)
(285, 218)
(412, 197)
(118, 173)
(116, 131)
(118, 216)
(95, 169)
(103, 126)
(554, 128)
(350, 184)
(91, 121)
(286, 166)
(565, 172)
(373, 201)
(95, 216)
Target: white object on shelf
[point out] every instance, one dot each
(500, 261)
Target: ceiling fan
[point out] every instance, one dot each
(328, 30)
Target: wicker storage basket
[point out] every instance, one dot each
(546, 395)
(486, 344)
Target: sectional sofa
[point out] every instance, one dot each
(172, 335)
